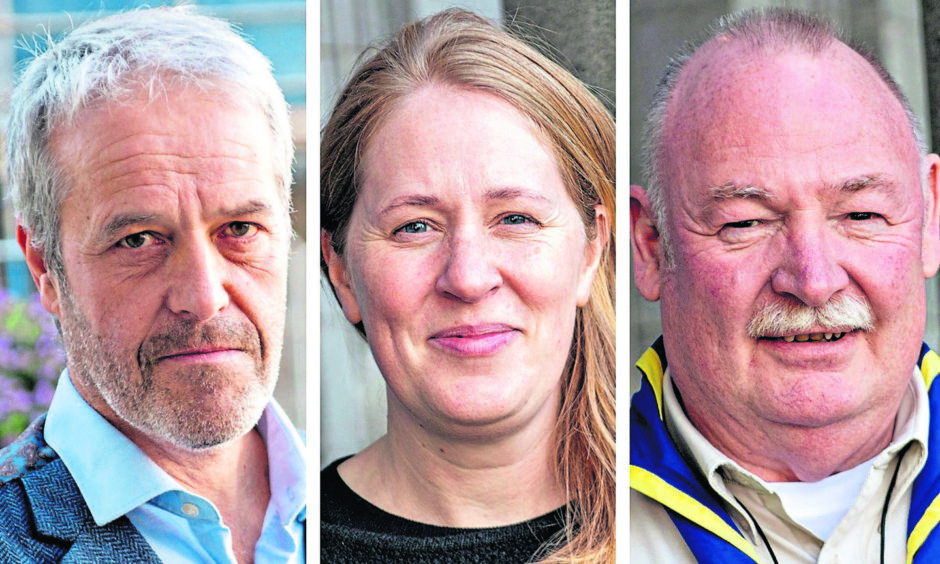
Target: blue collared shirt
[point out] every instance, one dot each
(116, 478)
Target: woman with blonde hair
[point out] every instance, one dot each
(467, 208)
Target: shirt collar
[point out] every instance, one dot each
(287, 464)
(911, 425)
(115, 476)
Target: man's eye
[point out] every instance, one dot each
(862, 216)
(745, 224)
(414, 227)
(242, 229)
(137, 240)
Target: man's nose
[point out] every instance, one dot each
(197, 280)
(470, 271)
(810, 269)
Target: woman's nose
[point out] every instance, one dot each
(471, 271)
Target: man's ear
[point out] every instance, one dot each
(645, 244)
(593, 253)
(930, 250)
(339, 277)
(36, 262)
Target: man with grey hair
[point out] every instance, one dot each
(789, 226)
(149, 156)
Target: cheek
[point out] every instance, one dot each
(117, 314)
(545, 279)
(890, 279)
(705, 284)
(390, 285)
(893, 284)
(261, 296)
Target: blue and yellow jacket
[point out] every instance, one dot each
(658, 471)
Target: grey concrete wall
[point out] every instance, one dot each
(581, 36)
(931, 17)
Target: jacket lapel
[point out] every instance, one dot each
(659, 471)
(61, 513)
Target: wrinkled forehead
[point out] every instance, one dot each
(781, 101)
(162, 111)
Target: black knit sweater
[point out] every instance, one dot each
(352, 530)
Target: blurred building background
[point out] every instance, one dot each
(277, 28)
(893, 29)
(580, 36)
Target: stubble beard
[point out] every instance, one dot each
(199, 407)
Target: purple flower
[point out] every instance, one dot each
(42, 395)
(31, 359)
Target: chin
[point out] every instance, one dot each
(484, 420)
(208, 418)
(818, 414)
(209, 430)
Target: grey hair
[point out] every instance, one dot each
(152, 51)
(759, 30)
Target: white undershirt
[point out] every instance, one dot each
(820, 506)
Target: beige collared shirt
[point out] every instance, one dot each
(856, 539)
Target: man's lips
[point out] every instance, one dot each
(474, 340)
(203, 354)
(811, 337)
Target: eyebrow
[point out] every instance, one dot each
(251, 207)
(730, 191)
(415, 200)
(861, 183)
(120, 222)
(514, 193)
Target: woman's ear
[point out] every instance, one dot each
(594, 253)
(339, 278)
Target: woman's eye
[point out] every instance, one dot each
(515, 219)
(414, 227)
(242, 229)
(137, 240)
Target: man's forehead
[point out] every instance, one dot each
(727, 69)
(135, 152)
(183, 120)
(734, 102)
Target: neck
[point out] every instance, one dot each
(778, 452)
(233, 476)
(471, 482)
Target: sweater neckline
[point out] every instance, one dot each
(340, 505)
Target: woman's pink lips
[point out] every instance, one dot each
(476, 340)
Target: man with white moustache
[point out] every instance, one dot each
(149, 159)
(789, 224)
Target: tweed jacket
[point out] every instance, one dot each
(43, 517)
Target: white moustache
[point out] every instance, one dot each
(841, 314)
